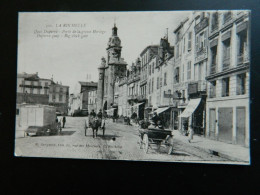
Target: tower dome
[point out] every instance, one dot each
(114, 40)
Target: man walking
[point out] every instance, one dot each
(190, 132)
(63, 121)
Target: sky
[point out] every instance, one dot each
(46, 45)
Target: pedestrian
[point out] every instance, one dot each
(169, 142)
(63, 121)
(155, 119)
(190, 132)
(99, 115)
(93, 114)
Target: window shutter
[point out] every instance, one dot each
(205, 38)
(197, 42)
(189, 41)
(223, 87)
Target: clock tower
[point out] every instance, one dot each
(114, 69)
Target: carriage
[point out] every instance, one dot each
(153, 135)
(95, 123)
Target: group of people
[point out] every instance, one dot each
(93, 114)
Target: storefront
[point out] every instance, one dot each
(193, 115)
(164, 114)
(139, 110)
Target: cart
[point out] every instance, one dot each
(89, 122)
(155, 136)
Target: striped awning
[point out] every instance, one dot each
(190, 108)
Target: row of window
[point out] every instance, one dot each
(240, 86)
(32, 91)
(215, 19)
(242, 51)
(54, 98)
(36, 83)
(189, 44)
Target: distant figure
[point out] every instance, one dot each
(63, 121)
(134, 116)
(155, 119)
(99, 115)
(128, 121)
(57, 120)
(169, 141)
(190, 132)
(93, 114)
(160, 125)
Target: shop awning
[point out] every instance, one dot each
(190, 108)
(160, 110)
(136, 105)
(110, 111)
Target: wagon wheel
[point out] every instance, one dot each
(170, 149)
(145, 143)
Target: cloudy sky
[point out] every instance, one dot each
(69, 60)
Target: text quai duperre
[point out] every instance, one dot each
(66, 31)
(76, 145)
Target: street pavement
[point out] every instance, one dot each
(121, 142)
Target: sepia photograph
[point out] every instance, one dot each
(166, 86)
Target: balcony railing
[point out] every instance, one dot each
(201, 51)
(141, 97)
(226, 63)
(201, 25)
(213, 68)
(214, 27)
(212, 93)
(242, 58)
(132, 97)
(227, 17)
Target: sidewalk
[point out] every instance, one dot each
(229, 151)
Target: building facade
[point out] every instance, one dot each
(92, 100)
(201, 82)
(59, 97)
(228, 77)
(32, 89)
(35, 90)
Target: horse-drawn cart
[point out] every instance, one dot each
(95, 123)
(156, 136)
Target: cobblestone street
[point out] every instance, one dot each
(120, 142)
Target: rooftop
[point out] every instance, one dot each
(88, 84)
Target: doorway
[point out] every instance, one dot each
(225, 122)
(240, 124)
(212, 122)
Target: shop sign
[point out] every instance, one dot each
(192, 88)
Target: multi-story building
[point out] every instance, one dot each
(74, 103)
(148, 59)
(59, 97)
(92, 100)
(32, 89)
(228, 77)
(189, 86)
(35, 90)
(85, 88)
(161, 81)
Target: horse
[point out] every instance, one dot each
(96, 123)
